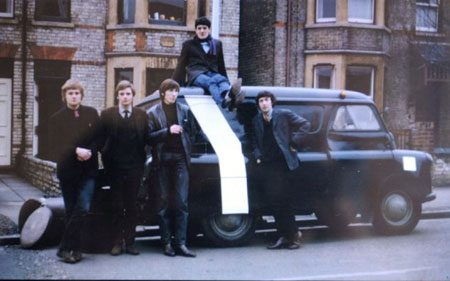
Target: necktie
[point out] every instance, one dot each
(77, 114)
(266, 117)
(126, 114)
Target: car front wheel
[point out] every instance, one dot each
(229, 230)
(397, 211)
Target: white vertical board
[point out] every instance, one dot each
(233, 175)
(5, 121)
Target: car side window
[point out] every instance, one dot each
(355, 118)
(310, 141)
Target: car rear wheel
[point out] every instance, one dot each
(229, 230)
(397, 212)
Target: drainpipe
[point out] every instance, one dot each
(23, 96)
(288, 42)
(215, 21)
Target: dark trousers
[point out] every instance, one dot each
(174, 187)
(77, 196)
(124, 189)
(277, 185)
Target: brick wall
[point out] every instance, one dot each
(422, 136)
(256, 42)
(41, 174)
(86, 35)
(441, 170)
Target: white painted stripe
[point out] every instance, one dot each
(233, 175)
(359, 274)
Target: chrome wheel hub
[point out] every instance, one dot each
(397, 208)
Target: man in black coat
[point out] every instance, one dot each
(172, 129)
(202, 59)
(124, 135)
(73, 137)
(276, 159)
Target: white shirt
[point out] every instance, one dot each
(205, 46)
(122, 111)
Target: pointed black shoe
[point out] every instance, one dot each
(168, 250)
(280, 243)
(295, 242)
(184, 251)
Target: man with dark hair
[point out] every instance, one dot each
(73, 137)
(202, 59)
(276, 159)
(124, 134)
(172, 128)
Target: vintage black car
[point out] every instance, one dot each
(349, 169)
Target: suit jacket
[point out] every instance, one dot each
(194, 61)
(66, 134)
(284, 123)
(159, 130)
(109, 120)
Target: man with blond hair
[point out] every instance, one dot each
(73, 136)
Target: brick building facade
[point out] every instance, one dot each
(397, 52)
(45, 42)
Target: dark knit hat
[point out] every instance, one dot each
(203, 21)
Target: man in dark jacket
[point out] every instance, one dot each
(202, 59)
(124, 135)
(276, 159)
(172, 128)
(73, 137)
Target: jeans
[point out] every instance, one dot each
(77, 195)
(174, 184)
(124, 190)
(215, 83)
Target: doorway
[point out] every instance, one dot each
(49, 77)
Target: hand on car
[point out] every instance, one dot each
(176, 129)
(83, 154)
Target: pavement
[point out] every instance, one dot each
(14, 191)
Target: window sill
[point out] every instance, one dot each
(149, 26)
(429, 33)
(350, 25)
(9, 20)
(53, 24)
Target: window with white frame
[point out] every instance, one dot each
(126, 11)
(326, 10)
(6, 8)
(427, 15)
(169, 12)
(360, 79)
(324, 77)
(360, 11)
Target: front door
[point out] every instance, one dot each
(5, 121)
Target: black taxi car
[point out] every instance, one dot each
(349, 167)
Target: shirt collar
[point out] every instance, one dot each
(122, 110)
(270, 114)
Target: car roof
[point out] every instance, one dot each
(283, 94)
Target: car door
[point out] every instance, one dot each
(313, 173)
(361, 152)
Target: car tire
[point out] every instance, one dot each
(397, 211)
(229, 230)
(335, 214)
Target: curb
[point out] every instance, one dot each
(10, 239)
(435, 214)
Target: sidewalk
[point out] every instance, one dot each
(14, 191)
